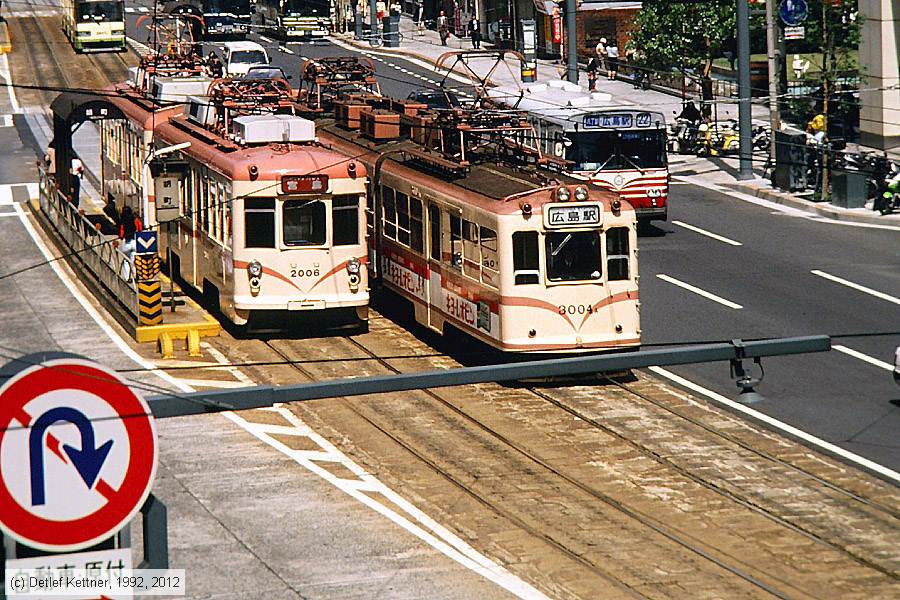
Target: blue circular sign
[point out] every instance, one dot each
(793, 12)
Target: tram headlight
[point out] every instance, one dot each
(581, 193)
(255, 269)
(353, 266)
(563, 194)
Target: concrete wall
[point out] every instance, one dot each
(880, 112)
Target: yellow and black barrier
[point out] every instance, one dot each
(149, 290)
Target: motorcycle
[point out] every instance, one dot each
(889, 201)
(718, 138)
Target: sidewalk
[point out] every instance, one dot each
(426, 47)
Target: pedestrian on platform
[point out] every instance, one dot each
(379, 10)
(129, 225)
(443, 28)
(612, 59)
(600, 50)
(77, 174)
(593, 70)
(112, 214)
(475, 32)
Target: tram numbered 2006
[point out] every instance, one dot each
(267, 226)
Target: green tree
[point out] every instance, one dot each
(671, 34)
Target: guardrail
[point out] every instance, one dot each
(97, 252)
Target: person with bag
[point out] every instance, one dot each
(593, 70)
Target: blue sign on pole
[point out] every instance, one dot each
(145, 242)
(793, 12)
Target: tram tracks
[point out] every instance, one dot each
(765, 581)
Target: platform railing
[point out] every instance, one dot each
(99, 253)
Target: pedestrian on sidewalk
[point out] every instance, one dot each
(475, 32)
(600, 50)
(420, 17)
(443, 28)
(593, 70)
(77, 174)
(612, 59)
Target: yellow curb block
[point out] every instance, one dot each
(5, 43)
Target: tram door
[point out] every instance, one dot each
(435, 235)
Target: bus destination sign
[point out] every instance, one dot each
(617, 120)
(572, 215)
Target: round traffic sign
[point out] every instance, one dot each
(78, 454)
(793, 12)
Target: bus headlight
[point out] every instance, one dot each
(581, 193)
(563, 194)
(654, 193)
(353, 266)
(254, 269)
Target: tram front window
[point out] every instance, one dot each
(573, 256)
(100, 10)
(617, 150)
(304, 223)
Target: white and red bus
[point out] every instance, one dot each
(618, 147)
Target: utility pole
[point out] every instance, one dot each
(373, 19)
(743, 42)
(774, 73)
(571, 42)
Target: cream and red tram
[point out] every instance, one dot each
(269, 221)
(522, 259)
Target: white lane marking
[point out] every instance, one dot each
(408, 517)
(780, 208)
(856, 286)
(707, 233)
(265, 39)
(415, 61)
(700, 292)
(129, 9)
(798, 433)
(7, 77)
(864, 357)
(680, 183)
(286, 49)
(143, 9)
(213, 383)
(8, 214)
(222, 360)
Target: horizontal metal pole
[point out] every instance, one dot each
(261, 396)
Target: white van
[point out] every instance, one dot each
(240, 56)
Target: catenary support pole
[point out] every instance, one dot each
(571, 42)
(772, 50)
(373, 20)
(744, 125)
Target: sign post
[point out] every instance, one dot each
(78, 454)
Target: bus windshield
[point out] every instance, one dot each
(306, 8)
(617, 150)
(100, 10)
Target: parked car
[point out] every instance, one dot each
(240, 56)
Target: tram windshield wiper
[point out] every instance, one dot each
(562, 245)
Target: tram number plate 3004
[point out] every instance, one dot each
(567, 216)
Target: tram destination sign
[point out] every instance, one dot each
(572, 215)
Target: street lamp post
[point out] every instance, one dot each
(743, 40)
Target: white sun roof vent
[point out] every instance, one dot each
(199, 110)
(257, 129)
(178, 89)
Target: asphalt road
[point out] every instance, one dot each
(764, 286)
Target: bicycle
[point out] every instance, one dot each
(377, 40)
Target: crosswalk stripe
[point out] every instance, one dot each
(6, 120)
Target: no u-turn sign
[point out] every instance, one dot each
(77, 454)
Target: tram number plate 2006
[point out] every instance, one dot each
(567, 216)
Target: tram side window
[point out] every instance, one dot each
(204, 202)
(211, 210)
(525, 257)
(470, 249)
(259, 223)
(402, 218)
(345, 220)
(456, 243)
(390, 212)
(617, 253)
(434, 227)
(304, 222)
(416, 229)
(490, 265)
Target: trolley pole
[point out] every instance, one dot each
(571, 42)
(743, 40)
(772, 50)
